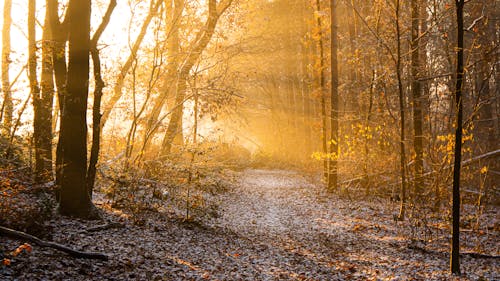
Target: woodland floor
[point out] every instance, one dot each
(274, 225)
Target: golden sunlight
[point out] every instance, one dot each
(249, 140)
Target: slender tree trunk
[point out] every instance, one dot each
(322, 86)
(75, 200)
(417, 97)
(60, 35)
(353, 70)
(96, 108)
(175, 125)
(305, 81)
(334, 103)
(35, 90)
(366, 179)
(44, 102)
(47, 99)
(455, 242)
(7, 106)
(306, 98)
(402, 152)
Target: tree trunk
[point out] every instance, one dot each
(353, 70)
(35, 89)
(175, 125)
(402, 152)
(75, 200)
(455, 244)
(7, 106)
(59, 34)
(305, 83)
(417, 97)
(334, 103)
(42, 105)
(96, 108)
(322, 86)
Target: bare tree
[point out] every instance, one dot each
(202, 40)
(120, 81)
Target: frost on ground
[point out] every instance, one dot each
(274, 225)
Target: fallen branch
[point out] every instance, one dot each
(74, 253)
(480, 256)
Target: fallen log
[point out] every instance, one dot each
(479, 256)
(42, 243)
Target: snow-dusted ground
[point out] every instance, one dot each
(274, 225)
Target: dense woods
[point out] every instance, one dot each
(250, 140)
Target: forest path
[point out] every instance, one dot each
(273, 225)
(322, 236)
(269, 203)
(340, 238)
